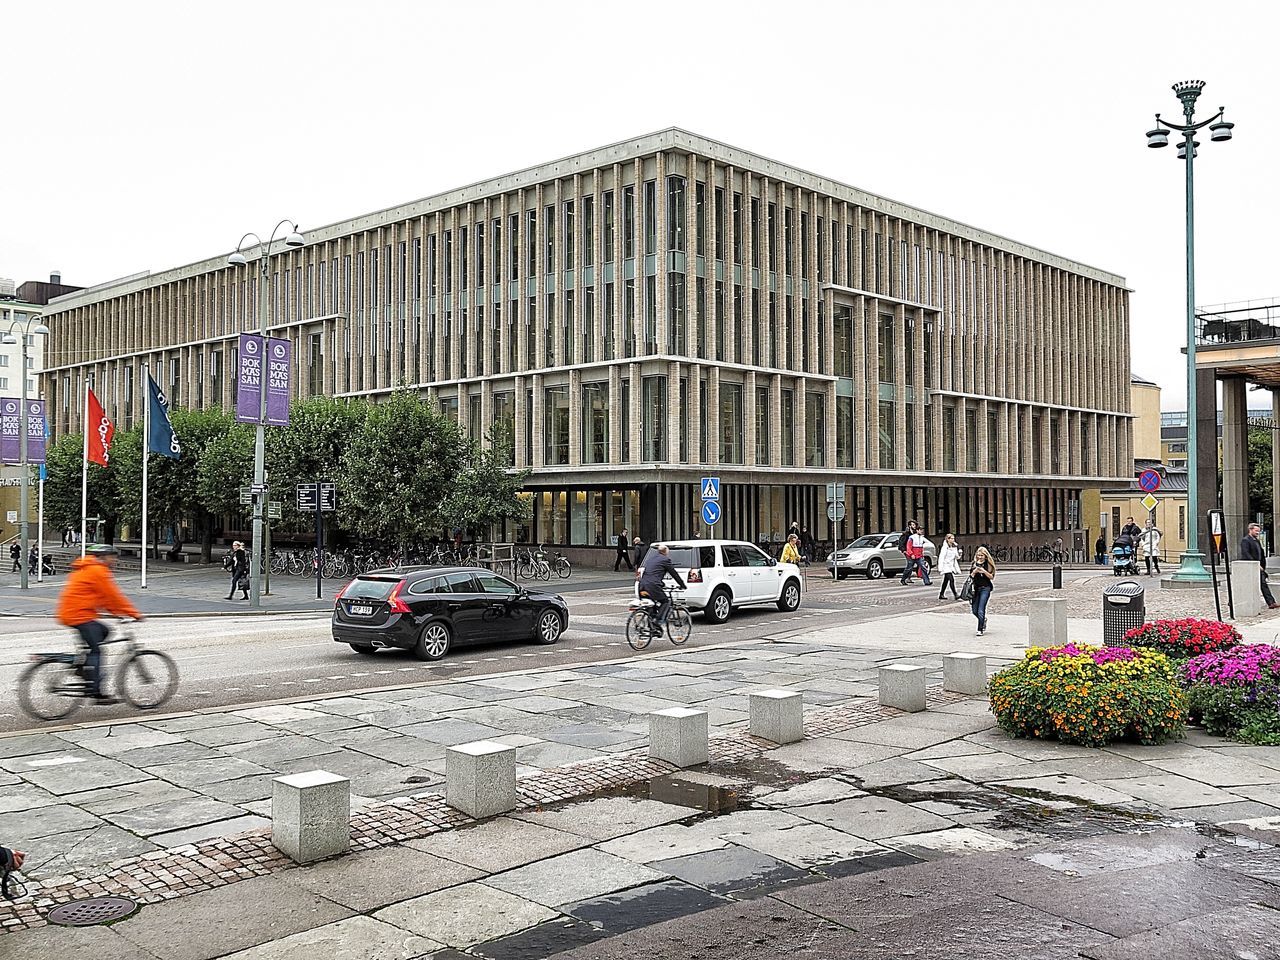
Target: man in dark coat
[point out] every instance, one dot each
(1251, 549)
(637, 552)
(239, 571)
(658, 566)
(620, 541)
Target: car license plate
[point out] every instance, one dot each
(360, 610)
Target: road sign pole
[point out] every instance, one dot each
(266, 533)
(319, 541)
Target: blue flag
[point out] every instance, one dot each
(161, 439)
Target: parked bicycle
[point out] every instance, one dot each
(642, 625)
(54, 686)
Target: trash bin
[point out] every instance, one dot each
(1124, 608)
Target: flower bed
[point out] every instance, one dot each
(1184, 638)
(1236, 692)
(1090, 695)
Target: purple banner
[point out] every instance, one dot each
(249, 379)
(35, 431)
(10, 430)
(279, 354)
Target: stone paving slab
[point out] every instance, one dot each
(368, 880)
(466, 915)
(355, 938)
(500, 844)
(263, 909)
(579, 875)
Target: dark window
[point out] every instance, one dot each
(462, 583)
(491, 583)
(370, 588)
(754, 557)
(430, 585)
(734, 556)
(706, 556)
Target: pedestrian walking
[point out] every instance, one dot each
(1132, 531)
(904, 547)
(983, 575)
(806, 544)
(239, 571)
(66, 537)
(1251, 549)
(794, 528)
(637, 553)
(1150, 540)
(949, 564)
(620, 541)
(791, 550)
(1100, 551)
(15, 554)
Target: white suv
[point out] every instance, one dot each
(723, 574)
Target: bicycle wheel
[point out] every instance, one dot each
(277, 563)
(544, 570)
(50, 690)
(563, 568)
(147, 679)
(296, 565)
(638, 629)
(679, 625)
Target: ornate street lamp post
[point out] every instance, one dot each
(237, 259)
(1191, 568)
(31, 327)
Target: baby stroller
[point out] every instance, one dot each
(1124, 559)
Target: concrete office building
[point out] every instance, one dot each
(666, 308)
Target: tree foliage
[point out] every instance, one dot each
(1260, 479)
(63, 462)
(399, 469)
(310, 449)
(487, 491)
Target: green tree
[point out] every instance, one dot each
(310, 448)
(63, 462)
(487, 491)
(1260, 479)
(398, 469)
(226, 465)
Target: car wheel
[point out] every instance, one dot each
(361, 648)
(549, 627)
(790, 598)
(719, 606)
(433, 642)
(875, 570)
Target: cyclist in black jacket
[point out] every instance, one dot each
(658, 566)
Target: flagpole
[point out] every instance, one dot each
(84, 472)
(146, 456)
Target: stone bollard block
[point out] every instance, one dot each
(1246, 588)
(777, 715)
(965, 673)
(679, 736)
(480, 778)
(311, 815)
(902, 685)
(1046, 621)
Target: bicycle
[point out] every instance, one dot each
(560, 565)
(642, 627)
(54, 686)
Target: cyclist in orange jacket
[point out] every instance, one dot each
(92, 589)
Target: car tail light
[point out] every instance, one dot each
(398, 605)
(341, 592)
(695, 576)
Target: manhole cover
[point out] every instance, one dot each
(87, 913)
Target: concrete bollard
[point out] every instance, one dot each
(902, 685)
(777, 715)
(311, 815)
(964, 673)
(1246, 588)
(1046, 621)
(679, 736)
(480, 778)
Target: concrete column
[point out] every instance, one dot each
(1235, 458)
(1275, 470)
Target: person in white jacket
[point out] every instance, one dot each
(949, 564)
(1150, 540)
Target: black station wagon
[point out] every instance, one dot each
(429, 609)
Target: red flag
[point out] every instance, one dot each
(101, 430)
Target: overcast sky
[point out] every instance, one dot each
(143, 136)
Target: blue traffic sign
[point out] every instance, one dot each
(710, 513)
(710, 488)
(1149, 481)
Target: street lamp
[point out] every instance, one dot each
(238, 259)
(1191, 569)
(31, 326)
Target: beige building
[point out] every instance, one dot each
(668, 308)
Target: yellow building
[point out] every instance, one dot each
(1105, 511)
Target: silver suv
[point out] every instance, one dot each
(875, 555)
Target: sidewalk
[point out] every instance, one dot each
(175, 590)
(608, 841)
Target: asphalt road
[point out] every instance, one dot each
(238, 660)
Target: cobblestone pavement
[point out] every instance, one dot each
(609, 849)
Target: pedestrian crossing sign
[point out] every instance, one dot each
(710, 488)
